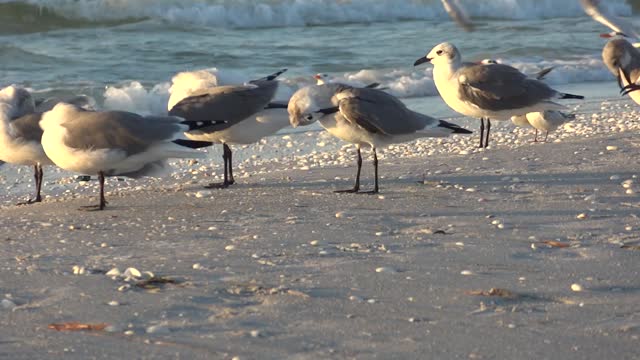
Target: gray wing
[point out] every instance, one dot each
(379, 112)
(593, 9)
(226, 103)
(27, 127)
(497, 87)
(120, 130)
(457, 13)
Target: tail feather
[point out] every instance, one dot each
(456, 128)
(272, 76)
(571, 96)
(542, 73)
(193, 144)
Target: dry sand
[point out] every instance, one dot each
(279, 267)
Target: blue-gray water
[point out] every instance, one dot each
(61, 46)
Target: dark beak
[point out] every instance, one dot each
(422, 60)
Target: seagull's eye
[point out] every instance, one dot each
(309, 117)
(439, 52)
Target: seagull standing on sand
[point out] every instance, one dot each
(364, 117)
(623, 60)
(20, 134)
(111, 143)
(543, 121)
(492, 91)
(247, 111)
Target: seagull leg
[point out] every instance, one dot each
(226, 157)
(545, 136)
(535, 138)
(481, 133)
(356, 186)
(230, 156)
(103, 201)
(486, 141)
(375, 168)
(37, 175)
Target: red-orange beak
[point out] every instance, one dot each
(317, 77)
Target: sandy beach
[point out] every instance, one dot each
(523, 250)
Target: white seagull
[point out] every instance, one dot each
(364, 117)
(20, 134)
(110, 143)
(458, 14)
(493, 91)
(248, 111)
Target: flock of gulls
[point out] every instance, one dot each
(71, 135)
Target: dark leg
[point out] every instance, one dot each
(228, 174)
(375, 169)
(486, 142)
(535, 138)
(103, 201)
(356, 187)
(230, 157)
(481, 133)
(37, 176)
(546, 136)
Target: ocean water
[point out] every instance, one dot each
(124, 53)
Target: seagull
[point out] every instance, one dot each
(493, 91)
(20, 134)
(457, 13)
(548, 121)
(623, 60)
(620, 27)
(110, 143)
(248, 111)
(364, 117)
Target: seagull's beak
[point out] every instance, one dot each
(606, 36)
(422, 60)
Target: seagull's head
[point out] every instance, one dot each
(19, 99)
(322, 78)
(306, 105)
(444, 53)
(616, 55)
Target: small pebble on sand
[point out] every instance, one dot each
(576, 287)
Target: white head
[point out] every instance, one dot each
(322, 78)
(19, 99)
(60, 114)
(305, 104)
(442, 54)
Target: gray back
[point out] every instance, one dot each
(119, 130)
(226, 103)
(497, 87)
(379, 112)
(27, 127)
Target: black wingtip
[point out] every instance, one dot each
(276, 105)
(571, 96)
(456, 128)
(193, 144)
(196, 125)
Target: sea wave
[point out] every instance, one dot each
(282, 13)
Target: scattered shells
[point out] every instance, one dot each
(114, 272)
(7, 304)
(612, 148)
(158, 329)
(466, 272)
(576, 287)
(196, 266)
(113, 303)
(314, 243)
(78, 270)
(581, 216)
(132, 273)
(385, 269)
(124, 287)
(230, 247)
